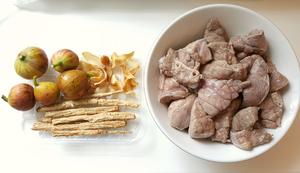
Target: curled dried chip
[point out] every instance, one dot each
(97, 77)
(115, 83)
(92, 59)
(105, 60)
(120, 59)
(129, 83)
(131, 67)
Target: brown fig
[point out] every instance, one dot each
(21, 97)
(73, 84)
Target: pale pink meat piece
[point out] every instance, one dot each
(248, 139)
(214, 31)
(272, 110)
(166, 63)
(260, 84)
(171, 90)
(252, 43)
(185, 75)
(245, 119)
(179, 112)
(201, 125)
(221, 70)
(223, 51)
(216, 95)
(277, 80)
(223, 121)
(199, 51)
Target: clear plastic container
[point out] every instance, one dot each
(136, 127)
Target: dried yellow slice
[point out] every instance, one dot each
(120, 59)
(129, 83)
(115, 83)
(92, 59)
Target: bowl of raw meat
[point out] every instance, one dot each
(222, 83)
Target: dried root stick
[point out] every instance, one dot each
(99, 95)
(46, 120)
(105, 116)
(90, 126)
(81, 126)
(91, 102)
(58, 133)
(80, 111)
(40, 126)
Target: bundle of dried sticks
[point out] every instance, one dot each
(85, 117)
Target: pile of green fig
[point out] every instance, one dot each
(32, 63)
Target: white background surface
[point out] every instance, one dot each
(122, 25)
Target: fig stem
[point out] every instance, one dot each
(4, 98)
(89, 75)
(35, 83)
(22, 57)
(60, 63)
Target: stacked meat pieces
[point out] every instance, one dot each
(223, 89)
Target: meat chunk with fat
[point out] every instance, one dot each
(201, 125)
(222, 70)
(171, 90)
(260, 84)
(247, 139)
(223, 121)
(199, 51)
(214, 31)
(252, 43)
(272, 110)
(166, 62)
(223, 51)
(179, 112)
(216, 95)
(185, 75)
(245, 119)
(277, 80)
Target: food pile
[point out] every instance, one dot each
(224, 89)
(84, 99)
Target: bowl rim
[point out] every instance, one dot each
(150, 54)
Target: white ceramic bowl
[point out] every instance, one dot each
(236, 20)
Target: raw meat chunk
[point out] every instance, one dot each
(277, 80)
(179, 112)
(221, 70)
(272, 110)
(260, 84)
(216, 95)
(201, 125)
(185, 75)
(223, 122)
(170, 90)
(223, 51)
(245, 119)
(247, 139)
(199, 51)
(166, 63)
(214, 32)
(252, 43)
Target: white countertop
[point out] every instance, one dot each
(134, 25)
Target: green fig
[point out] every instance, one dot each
(31, 62)
(73, 84)
(64, 60)
(21, 97)
(46, 93)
